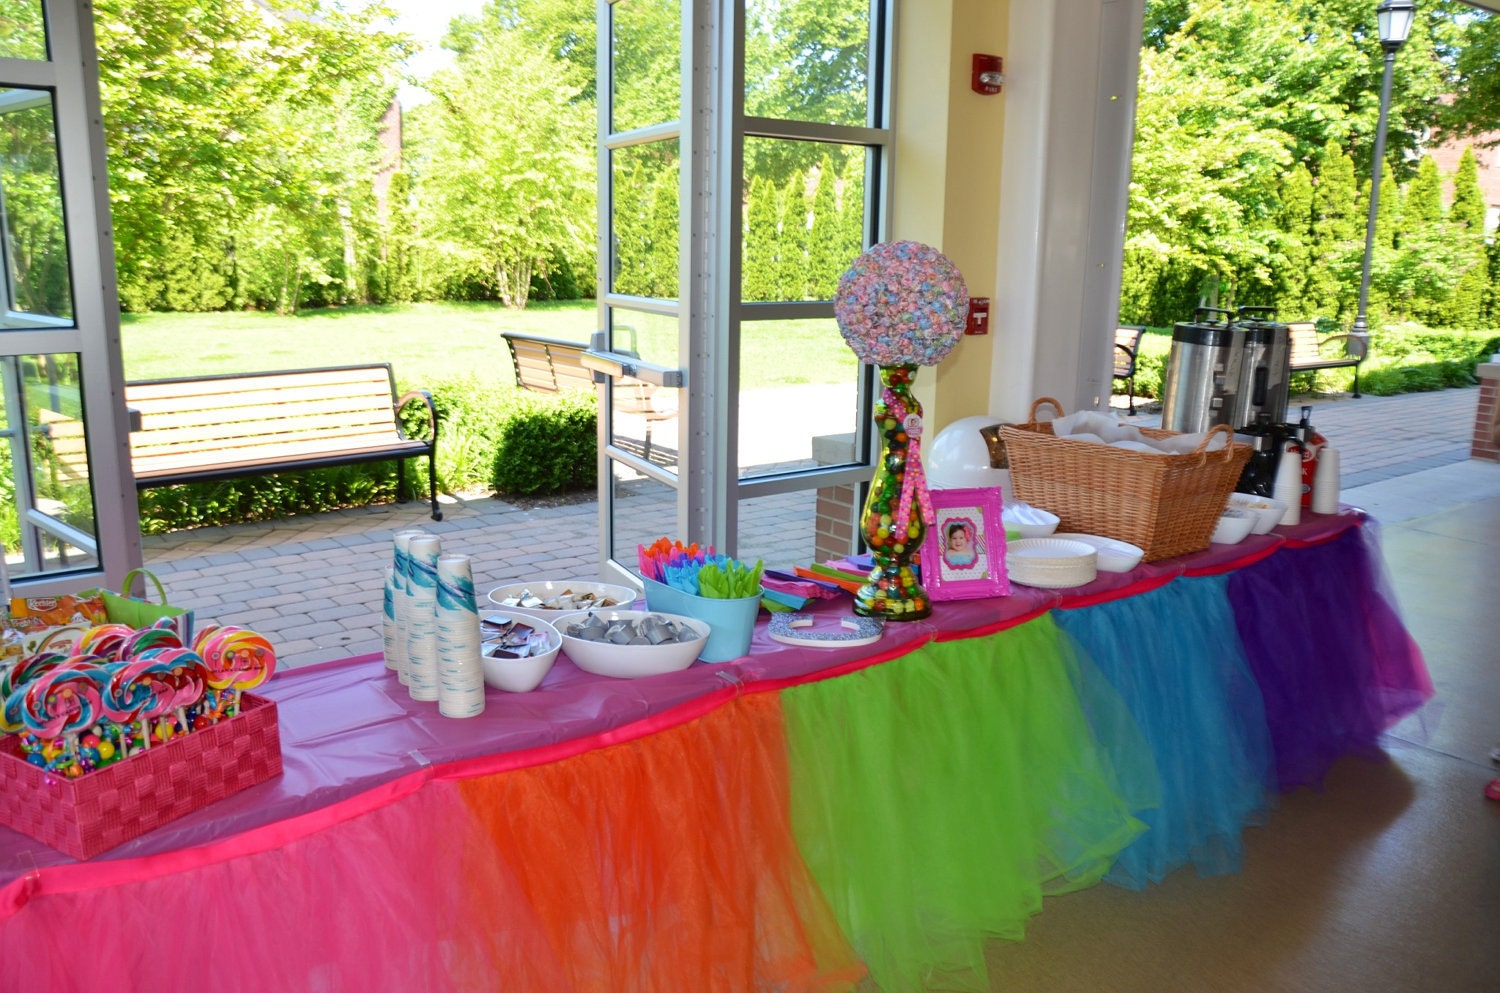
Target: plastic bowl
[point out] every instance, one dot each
(1114, 555)
(630, 661)
(547, 589)
(1233, 527)
(1028, 521)
(523, 675)
(1267, 510)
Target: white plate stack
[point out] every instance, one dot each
(1051, 563)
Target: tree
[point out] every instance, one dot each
(1466, 221)
(1335, 230)
(1295, 225)
(215, 110)
(824, 262)
(791, 262)
(759, 272)
(508, 179)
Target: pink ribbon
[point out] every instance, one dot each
(914, 478)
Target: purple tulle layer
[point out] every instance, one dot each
(1336, 666)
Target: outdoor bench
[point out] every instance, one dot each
(1127, 347)
(551, 365)
(201, 428)
(1307, 353)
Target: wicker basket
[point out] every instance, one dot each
(91, 814)
(1166, 504)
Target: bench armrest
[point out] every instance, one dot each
(426, 399)
(1129, 359)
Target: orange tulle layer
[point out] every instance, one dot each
(667, 863)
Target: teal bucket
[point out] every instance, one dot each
(731, 623)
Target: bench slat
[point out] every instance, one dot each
(270, 458)
(259, 382)
(266, 417)
(359, 394)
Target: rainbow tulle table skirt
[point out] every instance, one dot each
(792, 820)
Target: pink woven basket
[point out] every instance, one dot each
(93, 813)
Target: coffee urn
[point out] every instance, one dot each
(1265, 368)
(1203, 372)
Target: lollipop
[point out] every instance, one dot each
(146, 680)
(146, 639)
(65, 700)
(186, 675)
(106, 640)
(237, 659)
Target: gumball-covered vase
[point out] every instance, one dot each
(893, 591)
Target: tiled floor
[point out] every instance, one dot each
(313, 585)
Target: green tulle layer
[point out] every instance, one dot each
(939, 796)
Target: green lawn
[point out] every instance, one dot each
(430, 342)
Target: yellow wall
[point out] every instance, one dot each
(947, 173)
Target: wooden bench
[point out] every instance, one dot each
(1127, 344)
(197, 429)
(1308, 355)
(551, 365)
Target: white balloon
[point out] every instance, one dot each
(959, 458)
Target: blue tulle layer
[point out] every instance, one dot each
(1172, 656)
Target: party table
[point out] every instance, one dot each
(791, 819)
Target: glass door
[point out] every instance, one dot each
(67, 506)
(743, 150)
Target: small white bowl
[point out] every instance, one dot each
(523, 675)
(1028, 521)
(1114, 555)
(630, 661)
(546, 589)
(1233, 527)
(1267, 510)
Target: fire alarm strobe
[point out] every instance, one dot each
(979, 316)
(988, 76)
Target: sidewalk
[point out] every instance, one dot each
(313, 585)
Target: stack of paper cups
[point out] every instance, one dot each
(460, 673)
(1288, 486)
(421, 622)
(1325, 494)
(401, 600)
(388, 630)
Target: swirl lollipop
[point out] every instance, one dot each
(65, 700)
(186, 675)
(106, 640)
(147, 680)
(238, 659)
(146, 639)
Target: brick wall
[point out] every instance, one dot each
(1486, 442)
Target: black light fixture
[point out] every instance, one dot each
(1394, 17)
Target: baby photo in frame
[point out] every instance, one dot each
(963, 553)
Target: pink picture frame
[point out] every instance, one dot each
(963, 552)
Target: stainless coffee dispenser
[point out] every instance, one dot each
(1203, 373)
(1265, 368)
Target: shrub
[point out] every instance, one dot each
(549, 445)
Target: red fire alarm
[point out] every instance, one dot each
(988, 76)
(979, 316)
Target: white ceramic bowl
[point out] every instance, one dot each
(1051, 563)
(523, 675)
(1028, 521)
(547, 589)
(1233, 527)
(630, 661)
(1114, 555)
(1267, 510)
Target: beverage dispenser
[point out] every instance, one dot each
(1203, 372)
(1265, 368)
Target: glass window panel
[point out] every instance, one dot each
(644, 230)
(23, 33)
(647, 54)
(804, 216)
(44, 465)
(799, 396)
(35, 244)
(643, 421)
(644, 510)
(652, 337)
(780, 530)
(808, 60)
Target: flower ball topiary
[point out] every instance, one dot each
(902, 303)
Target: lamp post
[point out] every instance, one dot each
(1394, 17)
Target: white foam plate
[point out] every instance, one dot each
(1114, 555)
